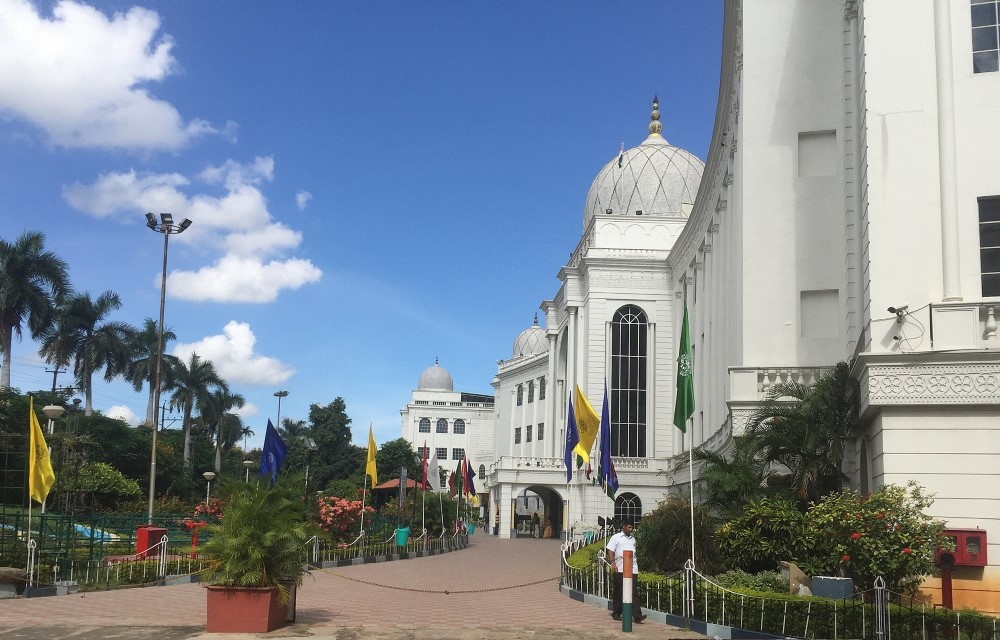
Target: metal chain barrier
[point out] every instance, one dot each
(441, 591)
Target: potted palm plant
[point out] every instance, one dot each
(255, 557)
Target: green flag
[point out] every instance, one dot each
(684, 400)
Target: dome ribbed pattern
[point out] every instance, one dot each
(530, 342)
(655, 178)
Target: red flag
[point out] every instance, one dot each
(425, 466)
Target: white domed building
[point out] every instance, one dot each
(449, 423)
(611, 320)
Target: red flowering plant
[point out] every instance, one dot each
(211, 512)
(887, 534)
(340, 517)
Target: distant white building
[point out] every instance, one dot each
(449, 423)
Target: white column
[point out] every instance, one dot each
(946, 151)
(652, 406)
(550, 406)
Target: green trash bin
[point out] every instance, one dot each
(472, 528)
(402, 536)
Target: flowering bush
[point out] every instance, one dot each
(340, 517)
(211, 511)
(886, 533)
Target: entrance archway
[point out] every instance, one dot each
(544, 501)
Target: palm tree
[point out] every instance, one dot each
(735, 479)
(193, 382)
(214, 409)
(83, 336)
(294, 429)
(806, 429)
(32, 281)
(141, 368)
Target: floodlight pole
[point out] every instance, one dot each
(167, 227)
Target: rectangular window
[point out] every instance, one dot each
(985, 36)
(541, 430)
(527, 433)
(441, 453)
(517, 435)
(420, 452)
(989, 245)
(457, 454)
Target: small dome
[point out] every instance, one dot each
(436, 378)
(531, 341)
(654, 178)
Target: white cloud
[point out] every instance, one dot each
(122, 412)
(233, 356)
(302, 199)
(81, 77)
(252, 263)
(236, 279)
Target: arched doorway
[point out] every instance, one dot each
(543, 501)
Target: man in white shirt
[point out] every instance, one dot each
(617, 545)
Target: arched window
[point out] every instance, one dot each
(442, 425)
(482, 472)
(425, 425)
(458, 426)
(531, 391)
(520, 394)
(629, 330)
(541, 388)
(628, 508)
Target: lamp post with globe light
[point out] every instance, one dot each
(209, 476)
(248, 464)
(53, 412)
(167, 227)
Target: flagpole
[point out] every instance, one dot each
(364, 487)
(691, 490)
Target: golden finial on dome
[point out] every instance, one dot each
(654, 118)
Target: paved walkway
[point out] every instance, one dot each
(495, 589)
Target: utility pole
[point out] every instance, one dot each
(55, 373)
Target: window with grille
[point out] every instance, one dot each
(458, 426)
(442, 425)
(531, 391)
(985, 31)
(989, 245)
(425, 425)
(441, 453)
(457, 454)
(541, 430)
(527, 433)
(421, 451)
(628, 508)
(482, 471)
(541, 390)
(517, 435)
(520, 394)
(629, 330)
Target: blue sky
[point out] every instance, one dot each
(372, 185)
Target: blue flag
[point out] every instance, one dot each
(606, 472)
(572, 439)
(273, 454)
(470, 474)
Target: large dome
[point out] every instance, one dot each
(531, 341)
(436, 378)
(654, 178)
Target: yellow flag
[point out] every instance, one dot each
(40, 474)
(587, 424)
(370, 467)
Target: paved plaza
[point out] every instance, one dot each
(495, 590)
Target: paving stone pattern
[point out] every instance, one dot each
(493, 589)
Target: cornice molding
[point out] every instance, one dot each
(947, 384)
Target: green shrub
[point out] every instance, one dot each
(663, 538)
(768, 531)
(764, 582)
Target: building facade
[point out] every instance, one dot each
(850, 211)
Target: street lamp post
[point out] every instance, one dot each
(167, 227)
(52, 412)
(209, 476)
(279, 395)
(310, 448)
(247, 464)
